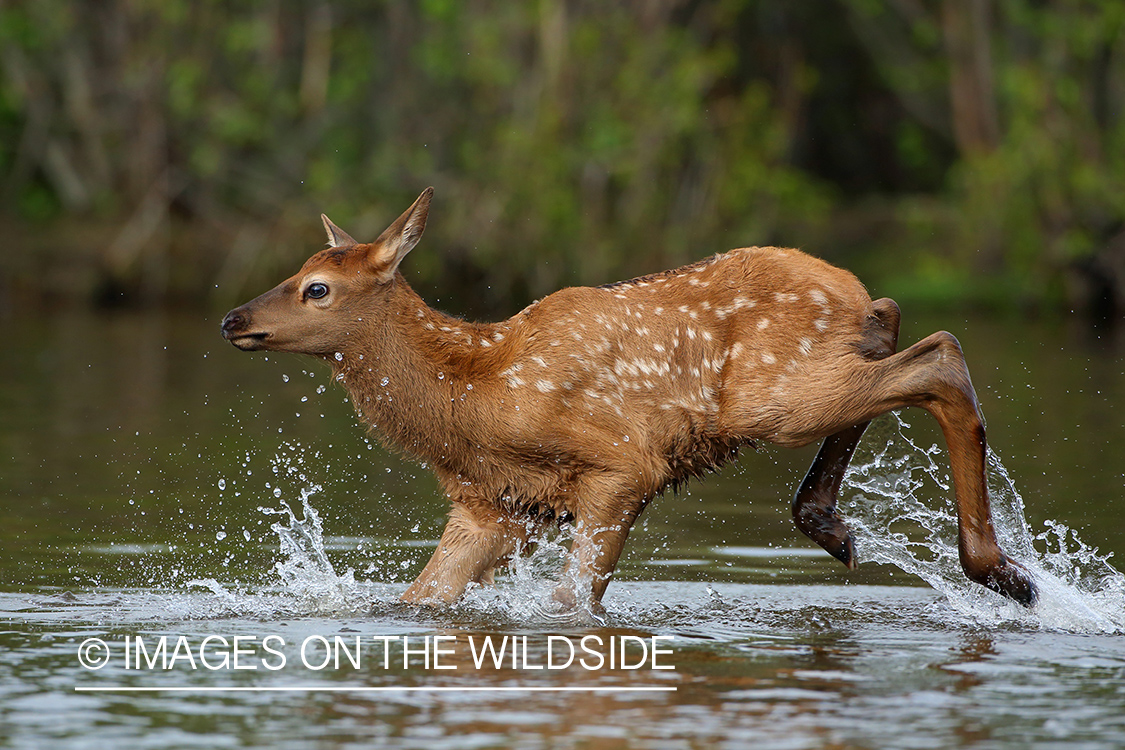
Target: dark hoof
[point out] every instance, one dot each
(845, 552)
(1013, 581)
(825, 527)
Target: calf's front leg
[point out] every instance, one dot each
(475, 541)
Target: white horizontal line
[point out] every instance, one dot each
(367, 689)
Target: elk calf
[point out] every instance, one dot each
(591, 401)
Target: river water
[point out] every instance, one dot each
(216, 529)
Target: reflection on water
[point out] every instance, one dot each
(155, 483)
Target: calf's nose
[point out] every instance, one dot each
(234, 322)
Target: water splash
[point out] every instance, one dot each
(302, 580)
(898, 501)
(526, 592)
(897, 498)
(305, 582)
(305, 569)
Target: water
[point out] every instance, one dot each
(157, 485)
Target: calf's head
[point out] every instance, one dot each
(336, 290)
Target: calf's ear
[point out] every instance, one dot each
(336, 237)
(400, 237)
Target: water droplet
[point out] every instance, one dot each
(277, 492)
(222, 484)
(339, 357)
(469, 386)
(626, 438)
(284, 378)
(320, 389)
(221, 535)
(384, 382)
(304, 399)
(441, 376)
(246, 535)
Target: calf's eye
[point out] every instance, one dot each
(316, 291)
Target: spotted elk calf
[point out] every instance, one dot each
(591, 401)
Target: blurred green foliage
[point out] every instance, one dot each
(947, 149)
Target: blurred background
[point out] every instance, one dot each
(164, 160)
(178, 152)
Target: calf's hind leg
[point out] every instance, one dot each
(814, 504)
(932, 375)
